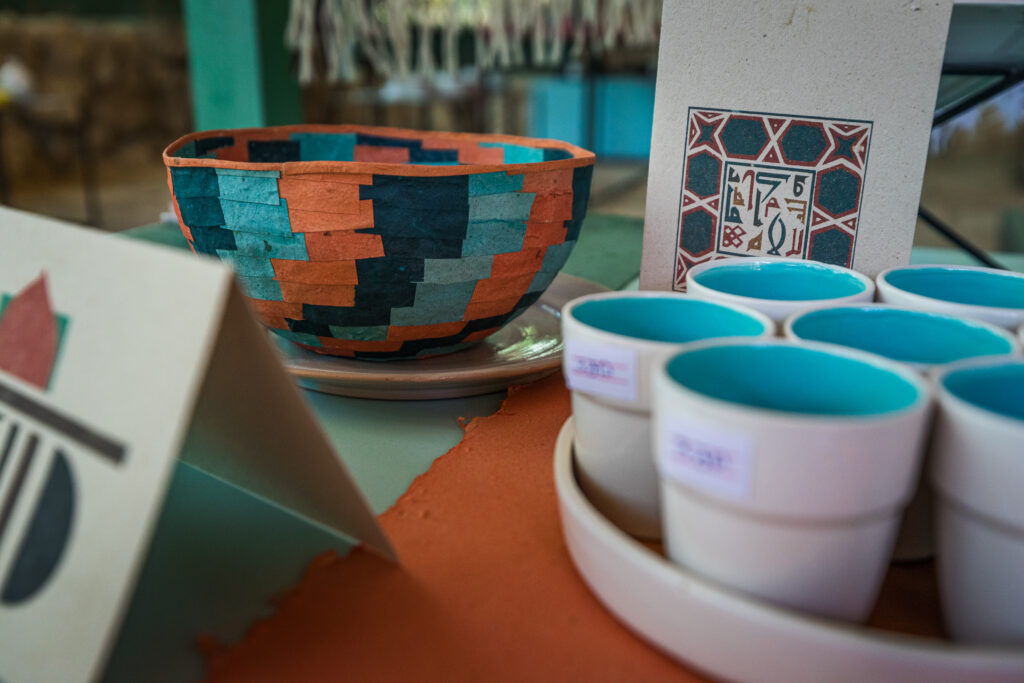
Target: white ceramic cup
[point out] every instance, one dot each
(611, 340)
(977, 469)
(778, 287)
(921, 339)
(995, 296)
(785, 467)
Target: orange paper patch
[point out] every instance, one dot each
(311, 195)
(343, 246)
(319, 221)
(384, 155)
(345, 344)
(543, 235)
(351, 178)
(501, 289)
(274, 313)
(551, 207)
(486, 309)
(405, 332)
(315, 272)
(548, 182)
(517, 263)
(321, 295)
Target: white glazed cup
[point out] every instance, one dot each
(776, 286)
(921, 339)
(995, 296)
(785, 467)
(611, 340)
(977, 470)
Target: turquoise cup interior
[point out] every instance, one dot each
(961, 286)
(674, 320)
(793, 379)
(998, 388)
(781, 280)
(903, 335)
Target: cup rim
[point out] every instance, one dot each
(1016, 346)
(867, 282)
(947, 398)
(920, 403)
(882, 281)
(768, 325)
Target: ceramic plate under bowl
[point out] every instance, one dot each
(734, 637)
(526, 349)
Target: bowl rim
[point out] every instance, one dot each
(580, 157)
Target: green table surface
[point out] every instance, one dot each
(219, 554)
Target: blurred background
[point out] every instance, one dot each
(92, 91)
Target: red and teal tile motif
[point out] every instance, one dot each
(379, 266)
(757, 184)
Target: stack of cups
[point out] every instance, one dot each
(977, 453)
(923, 340)
(978, 474)
(785, 467)
(611, 341)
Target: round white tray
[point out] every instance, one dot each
(731, 636)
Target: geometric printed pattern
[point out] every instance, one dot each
(409, 262)
(758, 184)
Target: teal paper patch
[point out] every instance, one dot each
(325, 146)
(259, 218)
(242, 188)
(263, 288)
(517, 154)
(514, 206)
(291, 246)
(369, 333)
(249, 266)
(435, 304)
(494, 183)
(457, 270)
(493, 238)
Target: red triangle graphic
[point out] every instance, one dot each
(28, 335)
(687, 201)
(817, 218)
(776, 124)
(845, 127)
(771, 156)
(851, 224)
(714, 203)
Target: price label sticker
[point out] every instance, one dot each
(602, 370)
(709, 459)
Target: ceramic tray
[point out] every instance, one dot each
(526, 349)
(731, 636)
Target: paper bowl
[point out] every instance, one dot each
(380, 243)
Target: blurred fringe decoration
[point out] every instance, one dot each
(402, 40)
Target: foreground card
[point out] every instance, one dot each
(111, 353)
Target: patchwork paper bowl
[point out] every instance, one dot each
(381, 243)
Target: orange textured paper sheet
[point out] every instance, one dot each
(486, 591)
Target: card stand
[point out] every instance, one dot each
(730, 636)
